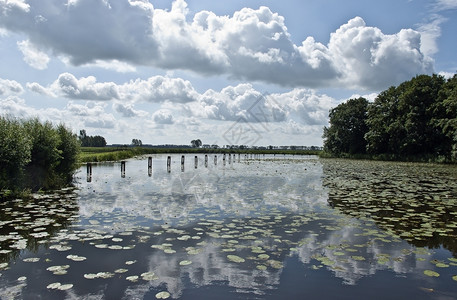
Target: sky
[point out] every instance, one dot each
(252, 72)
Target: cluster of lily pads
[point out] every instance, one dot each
(417, 202)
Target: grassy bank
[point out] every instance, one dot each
(99, 154)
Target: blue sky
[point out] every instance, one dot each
(233, 72)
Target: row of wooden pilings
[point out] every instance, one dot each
(224, 162)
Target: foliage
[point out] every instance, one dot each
(196, 143)
(137, 142)
(347, 127)
(35, 155)
(15, 151)
(91, 141)
(416, 119)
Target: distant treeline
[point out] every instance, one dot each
(416, 120)
(91, 141)
(35, 155)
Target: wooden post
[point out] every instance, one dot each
(123, 168)
(223, 159)
(150, 166)
(89, 172)
(215, 159)
(206, 160)
(182, 163)
(230, 158)
(169, 164)
(239, 157)
(196, 161)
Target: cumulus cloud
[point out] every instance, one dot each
(10, 87)
(32, 56)
(244, 102)
(370, 58)
(237, 102)
(163, 116)
(154, 89)
(253, 44)
(306, 106)
(159, 89)
(127, 110)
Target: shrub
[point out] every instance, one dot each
(36, 155)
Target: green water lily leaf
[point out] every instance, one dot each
(235, 258)
(454, 277)
(185, 262)
(431, 273)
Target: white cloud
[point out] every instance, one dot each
(253, 44)
(32, 56)
(37, 88)
(370, 58)
(7, 6)
(430, 32)
(306, 106)
(127, 110)
(159, 89)
(163, 116)
(113, 65)
(237, 102)
(441, 5)
(155, 89)
(10, 87)
(86, 88)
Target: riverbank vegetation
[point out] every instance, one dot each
(35, 155)
(415, 121)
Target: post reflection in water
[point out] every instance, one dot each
(261, 228)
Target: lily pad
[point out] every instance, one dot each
(235, 258)
(149, 276)
(162, 295)
(431, 273)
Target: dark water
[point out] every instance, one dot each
(267, 228)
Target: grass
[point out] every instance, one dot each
(99, 154)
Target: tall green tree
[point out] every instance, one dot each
(196, 143)
(347, 127)
(445, 118)
(400, 119)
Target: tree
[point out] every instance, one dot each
(347, 127)
(445, 118)
(91, 141)
(400, 119)
(196, 143)
(137, 142)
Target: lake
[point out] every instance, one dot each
(247, 227)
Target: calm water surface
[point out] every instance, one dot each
(274, 227)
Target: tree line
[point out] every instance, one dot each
(91, 141)
(36, 155)
(417, 119)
